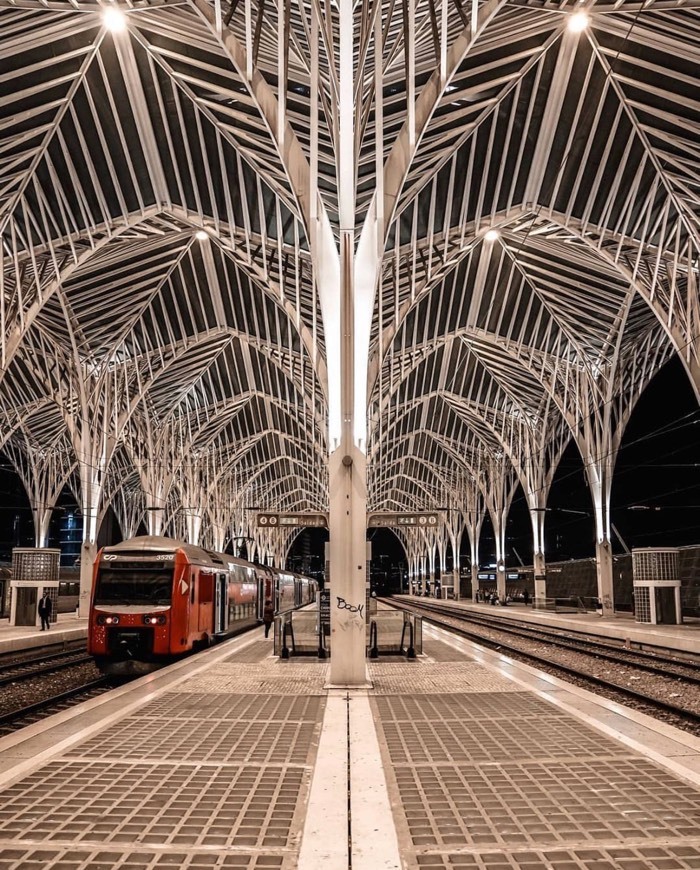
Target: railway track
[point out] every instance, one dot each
(31, 655)
(16, 672)
(30, 713)
(662, 663)
(681, 683)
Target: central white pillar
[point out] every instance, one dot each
(348, 554)
(538, 563)
(604, 568)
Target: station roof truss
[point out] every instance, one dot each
(534, 194)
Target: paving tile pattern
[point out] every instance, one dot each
(401, 678)
(154, 804)
(201, 706)
(267, 677)
(487, 741)
(628, 858)
(487, 708)
(498, 780)
(190, 780)
(227, 742)
(101, 859)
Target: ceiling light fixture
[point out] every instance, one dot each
(578, 22)
(492, 236)
(114, 19)
(201, 235)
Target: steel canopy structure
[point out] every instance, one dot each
(440, 237)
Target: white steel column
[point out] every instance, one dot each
(537, 516)
(347, 469)
(604, 568)
(538, 564)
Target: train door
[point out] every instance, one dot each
(221, 619)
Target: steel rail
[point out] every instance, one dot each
(39, 706)
(635, 658)
(50, 668)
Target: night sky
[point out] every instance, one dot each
(655, 499)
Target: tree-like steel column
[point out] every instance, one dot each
(347, 470)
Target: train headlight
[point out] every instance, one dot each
(154, 620)
(111, 620)
(100, 620)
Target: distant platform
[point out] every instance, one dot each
(685, 637)
(68, 627)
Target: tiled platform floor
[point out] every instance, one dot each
(236, 760)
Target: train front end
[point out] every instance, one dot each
(134, 615)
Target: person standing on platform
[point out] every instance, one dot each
(268, 615)
(526, 597)
(45, 608)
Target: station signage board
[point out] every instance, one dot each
(416, 520)
(294, 520)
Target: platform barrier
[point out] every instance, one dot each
(388, 633)
(395, 634)
(572, 604)
(296, 634)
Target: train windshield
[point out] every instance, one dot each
(146, 585)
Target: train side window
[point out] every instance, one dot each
(192, 579)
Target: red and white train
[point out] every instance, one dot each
(154, 599)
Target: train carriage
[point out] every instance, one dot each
(154, 599)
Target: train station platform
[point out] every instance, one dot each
(68, 627)
(460, 759)
(684, 638)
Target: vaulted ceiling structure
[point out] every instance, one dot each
(535, 192)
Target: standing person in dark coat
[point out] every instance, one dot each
(45, 608)
(268, 615)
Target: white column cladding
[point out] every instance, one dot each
(540, 593)
(347, 469)
(678, 618)
(604, 568)
(348, 554)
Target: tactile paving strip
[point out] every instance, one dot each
(239, 742)
(447, 677)
(632, 858)
(111, 803)
(439, 651)
(253, 652)
(537, 804)
(58, 859)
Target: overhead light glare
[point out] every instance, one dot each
(578, 22)
(114, 19)
(201, 235)
(492, 236)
